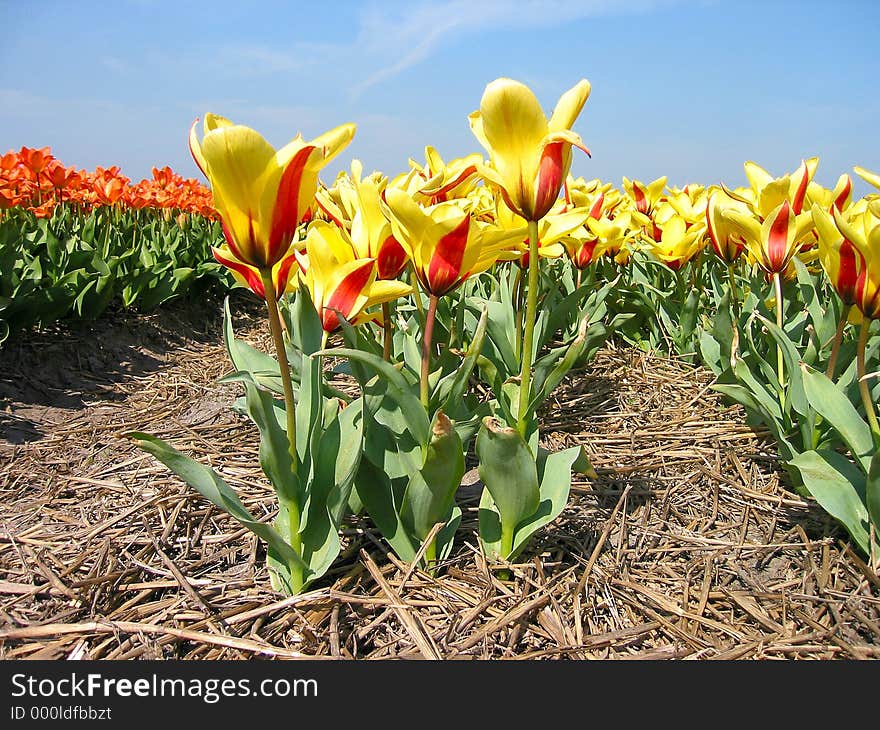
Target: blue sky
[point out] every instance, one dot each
(686, 88)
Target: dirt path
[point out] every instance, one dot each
(686, 546)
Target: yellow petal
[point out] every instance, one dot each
(569, 106)
(872, 178)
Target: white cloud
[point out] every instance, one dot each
(422, 28)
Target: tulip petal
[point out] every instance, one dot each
(347, 297)
(444, 269)
(872, 178)
(242, 273)
(513, 122)
(569, 106)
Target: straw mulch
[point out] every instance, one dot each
(688, 545)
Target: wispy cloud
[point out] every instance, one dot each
(424, 27)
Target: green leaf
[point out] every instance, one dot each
(463, 374)
(872, 494)
(555, 474)
(831, 403)
(544, 382)
(377, 492)
(509, 473)
(212, 487)
(307, 330)
(339, 454)
(264, 368)
(838, 486)
(791, 357)
(431, 491)
(399, 389)
(275, 458)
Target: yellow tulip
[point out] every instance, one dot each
(768, 193)
(553, 228)
(645, 197)
(340, 283)
(674, 241)
(439, 181)
(530, 155)
(860, 226)
(727, 241)
(775, 240)
(444, 242)
(261, 194)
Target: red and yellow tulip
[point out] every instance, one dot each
(645, 196)
(840, 259)
(727, 240)
(530, 155)
(444, 242)
(342, 285)
(439, 181)
(261, 194)
(673, 241)
(774, 241)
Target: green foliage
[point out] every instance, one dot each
(74, 265)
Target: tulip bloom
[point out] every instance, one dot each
(775, 240)
(439, 181)
(371, 232)
(727, 242)
(676, 244)
(443, 241)
(860, 227)
(340, 284)
(261, 194)
(283, 272)
(530, 156)
(644, 196)
(768, 193)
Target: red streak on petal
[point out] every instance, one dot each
(777, 240)
(841, 199)
(641, 200)
(798, 202)
(585, 254)
(282, 276)
(251, 277)
(391, 259)
(286, 215)
(550, 179)
(444, 269)
(458, 180)
(596, 210)
(847, 276)
(330, 215)
(344, 297)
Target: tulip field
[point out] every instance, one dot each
(477, 408)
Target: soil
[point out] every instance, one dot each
(689, 544)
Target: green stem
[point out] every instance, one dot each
(291, 507)
(734, 296)
(529, 332)
(431, 555)
(414, 281)
(780, 369)
(386, 324)
(426, 348)
(518, 313)
(864, 390)
(838, 338)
